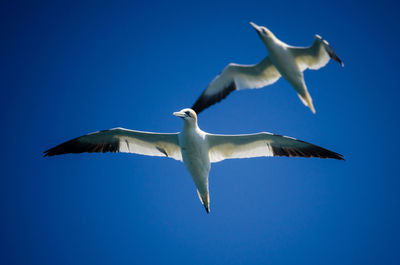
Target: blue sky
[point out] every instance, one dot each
(68, 69)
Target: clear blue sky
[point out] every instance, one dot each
(67, 69)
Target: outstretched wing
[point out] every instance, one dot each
(236, 77)
(315, 56)
(122, 140)
(262, 144)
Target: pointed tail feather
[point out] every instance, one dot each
(307, 100)
(205, 200)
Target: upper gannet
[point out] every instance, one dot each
(283, 60)
(196, 148)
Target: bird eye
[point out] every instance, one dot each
(187, 113)
(264, 31)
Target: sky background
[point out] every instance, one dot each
(68, 69)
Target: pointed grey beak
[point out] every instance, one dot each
(179, 114)
(256, 27)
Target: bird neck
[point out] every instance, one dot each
(189, 126)
(273, 44)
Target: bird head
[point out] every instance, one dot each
(188, 115)
(264, 33)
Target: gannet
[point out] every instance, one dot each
(196, 148)
(283, 60)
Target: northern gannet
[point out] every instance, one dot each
(196, 148)
(283, 60)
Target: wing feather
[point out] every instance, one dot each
(237, 77)
(122, 140)
(263, 144)
(316, 56)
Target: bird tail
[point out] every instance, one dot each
(299, 85)
(307, 100)
(205, 200)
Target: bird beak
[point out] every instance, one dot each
(256, 27)
(179, 114)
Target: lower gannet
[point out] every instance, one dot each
(283, 60)
(196, 148)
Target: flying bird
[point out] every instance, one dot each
(195, 148)
(283, 60)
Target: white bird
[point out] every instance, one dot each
(196, 148)
(283, 60)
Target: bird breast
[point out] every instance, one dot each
(195, 152)
(284, 61)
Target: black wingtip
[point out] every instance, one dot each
(337, 156)
(310, 150)
(340, 157)
(330, 51)
(337, 59)
(196, 108)
(330, 154)
(334, 56)
(201, 104)
(47, 153)
(75, 146)
(204, 101)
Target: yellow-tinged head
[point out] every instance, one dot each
(263, 32)
(188, 115)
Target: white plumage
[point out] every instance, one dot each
(196, 148)
(283, 60)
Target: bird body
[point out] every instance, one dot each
(282, 60)
(195, 148)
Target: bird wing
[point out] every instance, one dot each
(122, 140)
(236, 77)
(315, 56)
(262, 144)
